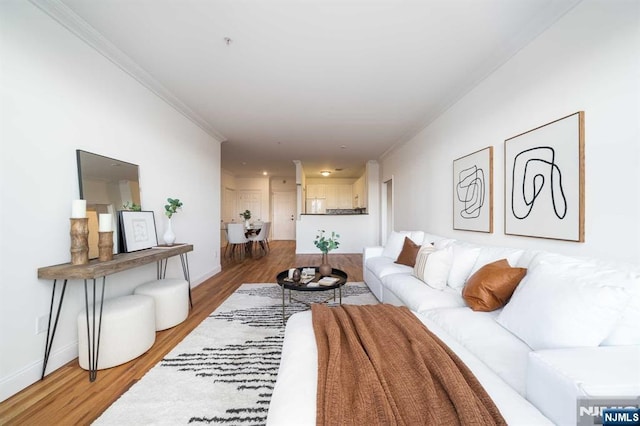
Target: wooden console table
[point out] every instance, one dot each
(94, 270)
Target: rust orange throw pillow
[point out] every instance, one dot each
(409, 253)
(492, 285)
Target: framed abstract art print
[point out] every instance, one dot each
(473, 191)
(544, 181)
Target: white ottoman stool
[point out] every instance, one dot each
(171, 297)
(128, 330)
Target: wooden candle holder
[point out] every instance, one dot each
(79, 241)
(105, 246)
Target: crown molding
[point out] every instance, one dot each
(78, 26)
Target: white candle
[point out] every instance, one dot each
(78, 209)
(105, 223)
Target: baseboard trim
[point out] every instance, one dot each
(29, 375)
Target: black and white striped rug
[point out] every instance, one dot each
(224, 371)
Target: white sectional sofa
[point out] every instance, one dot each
(570, 330)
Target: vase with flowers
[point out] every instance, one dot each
(325, 244)
(169, 210)
(246, 215)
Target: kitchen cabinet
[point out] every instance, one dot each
(316, 191)
(344, 196)
(332, 196)
(335, 196)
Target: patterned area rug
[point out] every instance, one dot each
(224, 371)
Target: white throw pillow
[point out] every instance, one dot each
(396, 240)
(627, 330)
(442, 243)
(464, 257)
(568, 304)
(418, 237)
(394, 244)
(432, 266)
(491, 254)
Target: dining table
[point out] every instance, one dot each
(252, 230)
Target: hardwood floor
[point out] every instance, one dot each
(66, 397)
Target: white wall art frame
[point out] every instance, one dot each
(138, 230)
(473, 191)
(544, 181)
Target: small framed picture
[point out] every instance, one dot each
(138, 230)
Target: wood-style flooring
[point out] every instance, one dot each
(66, 397)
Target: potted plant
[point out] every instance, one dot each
(246, 215)
(169, 210)
(325, 244)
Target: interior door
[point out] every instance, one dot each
(283, 226)
(252, 201)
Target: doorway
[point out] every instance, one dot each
(284, 214)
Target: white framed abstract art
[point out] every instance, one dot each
(544, 181)
(138, 230)
(473, 191)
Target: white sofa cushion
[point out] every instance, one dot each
(394, 244)
(557, 377)
(479, 332)
(526, 259)
(383, 266)
(432, 266)
(568, 304)
(432, 239)
(464, 258)
(491, 254)
(442, 243)
(627, 330)
(418, 296)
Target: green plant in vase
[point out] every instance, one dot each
(173, 206)
(169, 210)
(325, 244)
(246, 215)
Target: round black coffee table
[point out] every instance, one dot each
(286, 283)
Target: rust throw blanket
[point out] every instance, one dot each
(379, 365)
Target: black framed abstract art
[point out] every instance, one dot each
(473, 191)
(544, 181)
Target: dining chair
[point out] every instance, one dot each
(223, 229)
(267, 233)
(236, 239)
(262, 236)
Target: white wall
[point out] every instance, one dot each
(59, 95)
(354, 230)
(588, 60)
(282, 184)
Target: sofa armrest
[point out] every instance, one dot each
(369, 252)
(556, 378)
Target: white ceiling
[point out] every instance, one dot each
(332, 83)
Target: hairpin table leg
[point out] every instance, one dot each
(52, 333)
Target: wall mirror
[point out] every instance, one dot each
(108, 185)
